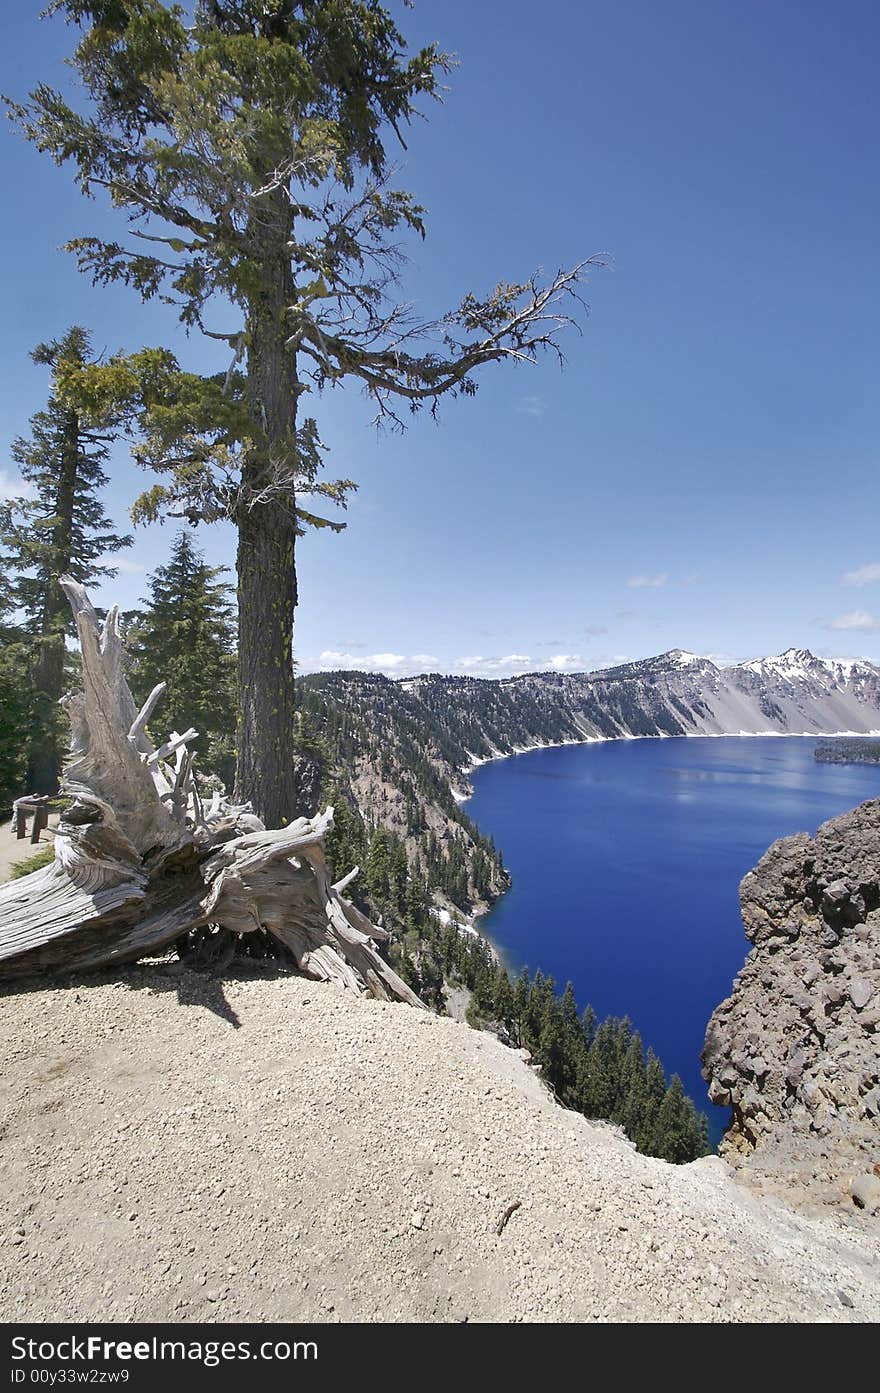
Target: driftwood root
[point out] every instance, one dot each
(142, 862)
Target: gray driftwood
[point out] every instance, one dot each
(141, 860)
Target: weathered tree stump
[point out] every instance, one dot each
(141, 862)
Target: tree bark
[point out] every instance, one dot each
(266, 567)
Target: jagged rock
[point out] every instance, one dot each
(793, 1050)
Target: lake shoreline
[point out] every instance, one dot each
(477, 761)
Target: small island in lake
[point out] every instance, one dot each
(858, 750)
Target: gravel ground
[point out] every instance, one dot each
(262, 1148)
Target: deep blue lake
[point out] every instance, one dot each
(626, 857)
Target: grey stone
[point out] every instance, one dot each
(794, 1071)
(860, 992)
(865, 1191)
(835, 896)
(832, 994)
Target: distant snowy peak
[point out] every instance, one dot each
(679, 657)
(791, 663)
(794, 662)
(799, 664)
(677, 660)
(681, 660)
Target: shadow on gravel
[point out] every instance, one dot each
(193, 988)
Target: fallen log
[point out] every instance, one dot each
(142, 864)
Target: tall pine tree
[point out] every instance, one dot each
(185, 637)
(14, 691)
(246, 144)
(60, 528)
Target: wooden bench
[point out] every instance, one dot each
(36, 806)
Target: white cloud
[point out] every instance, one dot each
(515, 664)
(391, 664)
(478, 666)
(11, 486)
(567, 662)
(855, 619)
(530, 406)
(865, 575)
(126, 565)
(595, 629)
(647, 582)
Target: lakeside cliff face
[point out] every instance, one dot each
(795, 1049)
(401, 749)
(463, 719)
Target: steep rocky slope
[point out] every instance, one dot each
(368, 745)
(796, 1048)
(176, 1148)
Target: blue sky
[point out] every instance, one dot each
(703, 473)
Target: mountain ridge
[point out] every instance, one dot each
(671, 657)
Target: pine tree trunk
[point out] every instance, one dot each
(266, 539)
(266, 600)
(46, 750)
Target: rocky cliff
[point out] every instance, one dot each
(795, 1049)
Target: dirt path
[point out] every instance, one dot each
(178, 1148)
